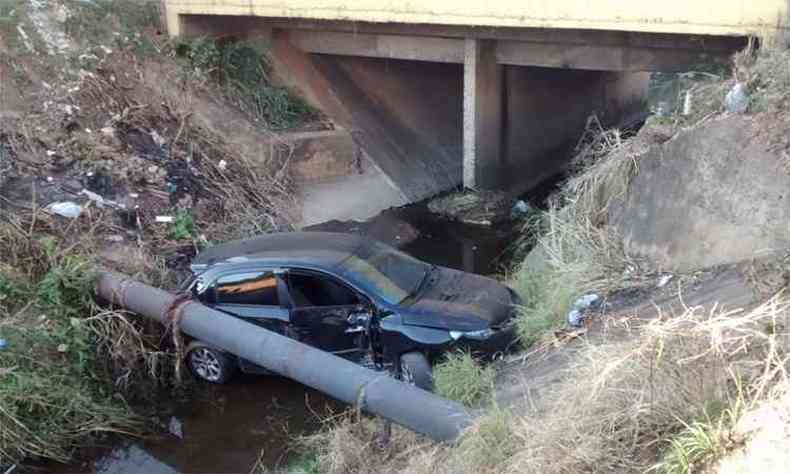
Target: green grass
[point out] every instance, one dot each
(243, 70)
(547, 296)
(183, 226)
(114, 23)
(460, 377)
(304, 464)
(54, 393)
(11, 15)
(702, 441)
(490, 443)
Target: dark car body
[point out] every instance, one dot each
(309, 286)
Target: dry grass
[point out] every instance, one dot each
(354, 445)
(664, 401)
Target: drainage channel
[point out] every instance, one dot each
(228, 428)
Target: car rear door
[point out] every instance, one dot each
(320, 308)
(257, 296)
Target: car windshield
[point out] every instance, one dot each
(387, 272)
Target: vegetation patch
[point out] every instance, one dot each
(489, 444)
(462, 378)
(68, 369)
(547, 296)
(243, 71)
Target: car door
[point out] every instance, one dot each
(320, 307)
(256, 296)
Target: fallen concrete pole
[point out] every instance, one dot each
(373, 392)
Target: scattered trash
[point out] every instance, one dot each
(165, 219)
(664, 279)
(51, 152)
(575, 318)
(50, 179)
(577, 315)
(222, 165)
(176, 428)
(687, 104)
(115, 238)
(108, 131)
(68, 209)
(520, 209)
(3, 344)
(662, 110)
(737, 100)
(134, 195)
(62, 348)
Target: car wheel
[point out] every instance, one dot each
(415, 370)
(209, 364)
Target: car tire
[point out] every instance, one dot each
(210, 364)
(416, 370)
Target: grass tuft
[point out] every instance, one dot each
(547, 296)
(489, 444)
(462, 378)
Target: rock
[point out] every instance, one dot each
(737, 100)
(68, 209)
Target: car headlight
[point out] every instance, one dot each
(476, 335)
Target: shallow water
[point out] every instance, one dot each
(227, 428)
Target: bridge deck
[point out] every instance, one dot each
(703, 17)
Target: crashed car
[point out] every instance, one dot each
(351, 296)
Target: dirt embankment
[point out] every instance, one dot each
(119, 149)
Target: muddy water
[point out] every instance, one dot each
(224, 429)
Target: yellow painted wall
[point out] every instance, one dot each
(707, 17)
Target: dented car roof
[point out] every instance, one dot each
(326, 248)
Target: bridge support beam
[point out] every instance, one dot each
(483, 113)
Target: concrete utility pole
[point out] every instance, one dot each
(374, 392)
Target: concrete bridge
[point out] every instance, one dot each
(491, 94)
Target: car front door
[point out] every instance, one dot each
(257, 296)
(320, 308)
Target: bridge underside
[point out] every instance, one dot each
(435, 107)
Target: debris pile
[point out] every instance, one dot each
(473, 207)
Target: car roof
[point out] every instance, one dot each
(325, 249)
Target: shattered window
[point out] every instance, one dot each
(252, 288)
(311, 291)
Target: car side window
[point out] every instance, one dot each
(308, 290)
(250, 288)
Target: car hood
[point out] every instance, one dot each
(456, 300)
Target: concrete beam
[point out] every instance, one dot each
(588, 56)
(413, 48)
(483, 104)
